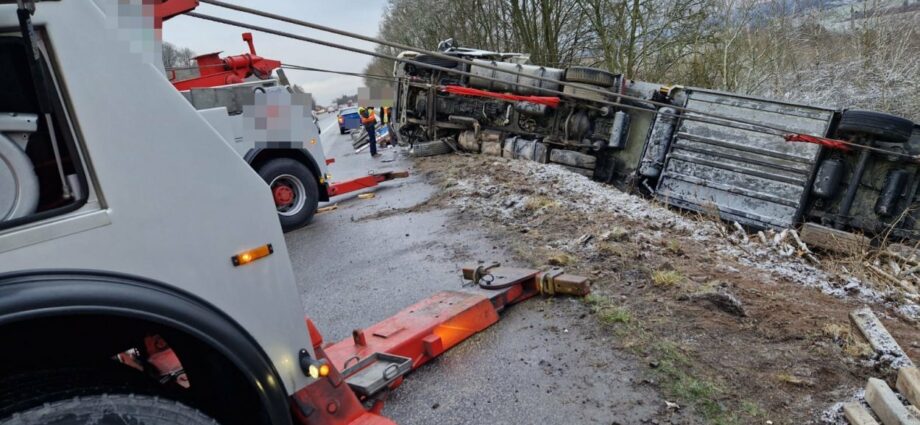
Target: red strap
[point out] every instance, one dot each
(830, 143)
(550, 101)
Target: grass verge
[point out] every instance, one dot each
(673, 369)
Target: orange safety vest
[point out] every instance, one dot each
(370, 118)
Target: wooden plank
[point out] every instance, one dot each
(879, 338)
(856, 414)
(327, 208)
(886, 405)
(909, 384)
(818, 236)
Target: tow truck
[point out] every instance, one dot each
(266, 120)
(125, 299)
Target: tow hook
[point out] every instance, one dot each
(555, 281)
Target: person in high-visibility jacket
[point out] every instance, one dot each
(369, 121)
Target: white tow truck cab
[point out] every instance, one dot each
(272, 128)
(266, 120)
(124, 215)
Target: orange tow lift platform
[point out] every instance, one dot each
(357, 374)
(368, 181)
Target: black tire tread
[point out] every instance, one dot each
(588, 75)
(432, 148)
(23, 390)
(877, 125)
(149, 410)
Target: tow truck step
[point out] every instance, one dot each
(376, 372)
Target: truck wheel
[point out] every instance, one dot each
(294, 190)
(105, 393)
(110, 409)
(876, 125)
(432, 148)
(341, 130)
(586, 75)
(578, 89)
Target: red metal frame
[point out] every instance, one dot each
(420, 332)
(165, 9)
(215, 71)
(365, 182)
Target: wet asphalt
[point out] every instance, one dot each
(545, 362)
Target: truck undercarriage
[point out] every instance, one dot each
(762, 163)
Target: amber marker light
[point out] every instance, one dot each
(251, 255)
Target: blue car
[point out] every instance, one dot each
(348, 119)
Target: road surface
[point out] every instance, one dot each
(544, 362)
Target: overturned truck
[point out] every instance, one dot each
(760, 162)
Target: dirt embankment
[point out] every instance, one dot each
(738, 333)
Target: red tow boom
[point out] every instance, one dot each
(215, 71)
(370, 364)
(365, 182)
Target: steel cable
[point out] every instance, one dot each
(717, 119)
(754, 126)
(401, 46)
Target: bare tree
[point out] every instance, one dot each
(777, 48)
(552, 31)
(647, 38)
(177, 57)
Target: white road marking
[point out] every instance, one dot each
(327, 142)
(328, 128)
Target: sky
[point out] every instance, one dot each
(360, 16)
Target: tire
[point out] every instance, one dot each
(432, 148)
(875, 125)
(110, 409)
(579, 89)
(341, 130)
(297, 207)
(586, 75)
(436, 61)
(20, 198)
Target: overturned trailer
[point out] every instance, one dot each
(760, 162)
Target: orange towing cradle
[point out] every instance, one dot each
(366, 367)
(365, 182)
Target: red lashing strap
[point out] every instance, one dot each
(830, 143)
(550, 101)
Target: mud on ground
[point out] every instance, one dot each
(736, 334)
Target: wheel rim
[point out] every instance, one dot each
(288, 192)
